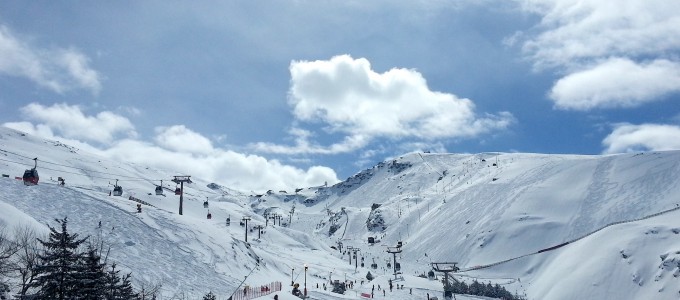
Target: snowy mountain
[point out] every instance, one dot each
(542, 226)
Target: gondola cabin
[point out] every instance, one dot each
(178, 191)
(205, 204)
(371, 240)
(209, 216)
(159, 190)
(399, 244)
(31, 177)
(117, 190)
(397, 266)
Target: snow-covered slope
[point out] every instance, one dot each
(499, 215)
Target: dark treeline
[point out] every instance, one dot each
(487, 290)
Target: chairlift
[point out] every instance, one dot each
(430, 274)
(31, 175)
(374, 266)
(229, 221)
(389, 265)
(399, 244)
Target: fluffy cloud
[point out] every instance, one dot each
(70, 122)
(181, 139)
(349, 98)
(175, 148)
(617, 82)
(56, 69)
(593, 38)
(646, 137)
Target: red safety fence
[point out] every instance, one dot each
(250, 292)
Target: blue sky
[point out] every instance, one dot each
(279, 94)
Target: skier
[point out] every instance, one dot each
(296, 290)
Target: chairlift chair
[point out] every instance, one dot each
(31, 175)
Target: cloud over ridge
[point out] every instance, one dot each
(346, 96)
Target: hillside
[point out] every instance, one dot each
(498, 215)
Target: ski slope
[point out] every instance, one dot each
(496, 214)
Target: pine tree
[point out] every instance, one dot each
(93, 277)
(59, 264)
(125, 290)
(117, 287)
(209, 296)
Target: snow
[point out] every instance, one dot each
(443, 207)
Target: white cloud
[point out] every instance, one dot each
(349, 98)
(588, 38)
(646, 137)
(56, 69)
(181, 139)
(176, 148)
(303, 144)
(617, 82)
(70, 122)
(236, 170)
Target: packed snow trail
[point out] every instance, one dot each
(555, 247)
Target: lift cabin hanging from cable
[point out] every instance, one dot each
(178, 191)
(159, 189)
(31, 175)
(117, 189)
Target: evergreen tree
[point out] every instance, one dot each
(117, 287)
(93, 277)
(59, 264)
(125, 290)
(209, 296)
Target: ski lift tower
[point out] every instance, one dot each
(446, 268)
(356, 259)
(246, 219)
(394, 251)
(181, 180)
(349, 250)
